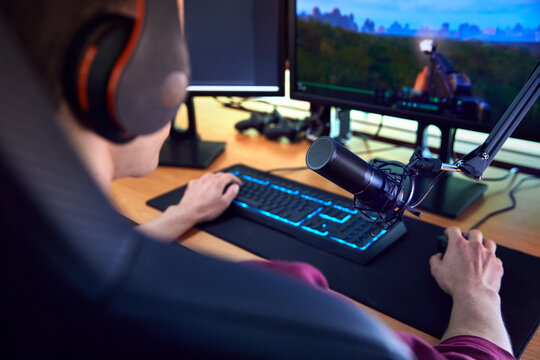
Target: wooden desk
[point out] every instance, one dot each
(518, 229)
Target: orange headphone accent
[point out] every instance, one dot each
(82, 79)
(123, 59)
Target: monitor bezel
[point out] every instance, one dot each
(281, 33)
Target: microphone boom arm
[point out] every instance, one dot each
(476, 162)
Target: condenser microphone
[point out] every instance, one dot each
(372, 187)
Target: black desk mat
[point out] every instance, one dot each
(398, 281)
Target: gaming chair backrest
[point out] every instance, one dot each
(79, 282)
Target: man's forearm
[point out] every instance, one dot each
(478, 314)
(169, 226)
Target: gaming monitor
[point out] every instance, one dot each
(452, 65)
(457, 65)
(236, 47)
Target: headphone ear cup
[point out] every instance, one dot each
(128, 76)
(88, 64)
(150, 79)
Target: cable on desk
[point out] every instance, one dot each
(505, 209)
(376, 134)
(281, 106)
(366, 152)
(238, 105)
(513, 170)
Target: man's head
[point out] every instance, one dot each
(147, 90)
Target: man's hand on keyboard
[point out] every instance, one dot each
(205, 199)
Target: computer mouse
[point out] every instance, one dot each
(442, 243)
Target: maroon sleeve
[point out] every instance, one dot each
(464, 347)
(300, 271)
(476, 347)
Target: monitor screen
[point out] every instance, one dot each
(236, 47)
(458, 63)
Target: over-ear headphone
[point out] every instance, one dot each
(119, 72)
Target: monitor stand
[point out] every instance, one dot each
(184, 148)
(327, 121)
(453, 193)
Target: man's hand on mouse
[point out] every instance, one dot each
(468, 266)
(471, 274)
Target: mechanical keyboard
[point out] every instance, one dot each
(311, 215)
(314, 216)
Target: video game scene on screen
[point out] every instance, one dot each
(466, 62)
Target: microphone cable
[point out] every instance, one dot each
(428, 190)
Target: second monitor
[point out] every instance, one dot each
(236, 49)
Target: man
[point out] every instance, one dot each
(204, 200)
(106, 160)
(469, 271)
